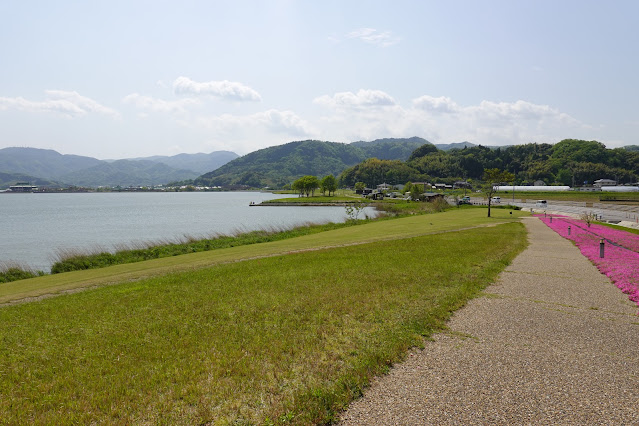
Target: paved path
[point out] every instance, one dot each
(552, 342)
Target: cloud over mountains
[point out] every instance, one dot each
(229, 90)
(68, 103)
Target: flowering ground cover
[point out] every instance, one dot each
(621, 250)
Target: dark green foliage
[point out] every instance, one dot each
(328, 183)
(374, 172)
(580, 151)
(280, 165)
(423, 150)
(391, 148)
(569, 161)
(15, 273)
(306, 185)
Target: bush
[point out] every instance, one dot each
(15, 273)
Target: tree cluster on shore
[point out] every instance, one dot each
(306, 185)
(569, 162)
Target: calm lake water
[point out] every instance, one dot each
(35, 227)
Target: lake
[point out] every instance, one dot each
(36, 227)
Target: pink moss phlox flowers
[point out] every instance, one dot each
(620, 264)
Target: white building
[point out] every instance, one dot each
(604, 182)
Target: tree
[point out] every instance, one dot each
(492, 179)
(306, 185)
(423, 150)
(416, 191)
(564, 177)
(328, 183)
(354, 209)
(360, 186)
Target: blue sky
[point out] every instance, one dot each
(120, 79)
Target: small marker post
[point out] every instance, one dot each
(601, 248)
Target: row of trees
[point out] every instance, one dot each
(569, 162)
(306, 185)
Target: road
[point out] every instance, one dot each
(623, 214)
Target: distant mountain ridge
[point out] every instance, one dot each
(127, 173)
(50, 168)
(200, 163)
(42, 163)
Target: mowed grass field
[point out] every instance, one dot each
(287, 338)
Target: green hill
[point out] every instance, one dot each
(127, 173)
(568, 162)
(280, 165)
(45, 163)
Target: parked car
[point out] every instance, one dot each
(496, 200)
(542, 203)
(464, 200)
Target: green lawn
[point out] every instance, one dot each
(282, 339)
(375, 231)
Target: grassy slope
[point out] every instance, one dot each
(282, 339)
(400, 228)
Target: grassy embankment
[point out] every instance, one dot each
(274, 339)
(74, 261)
(79, 261)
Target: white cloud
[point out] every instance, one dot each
(247, 133)
(71, 104)
(372, 36)
(519, 110)
(361, 99)
(442, 120)
(286, 122)
(159, 105)
(222, 89)
(441, 104)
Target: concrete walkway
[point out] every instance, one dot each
(552, 342)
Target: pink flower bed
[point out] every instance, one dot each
(620, 262)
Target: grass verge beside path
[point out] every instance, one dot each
(286, 339)
(374, 231)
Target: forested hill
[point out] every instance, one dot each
(45, 167)
(43, 163)
(280, 165)
(569, 162)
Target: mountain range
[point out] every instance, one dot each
(45, 167)
(274, 166)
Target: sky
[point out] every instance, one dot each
(122, 79)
